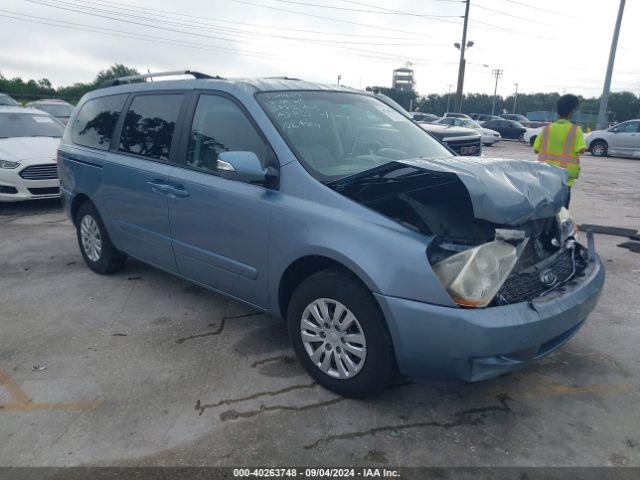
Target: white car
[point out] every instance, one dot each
(530, 135)
(29, 142)
(622, 139)
(488, 136)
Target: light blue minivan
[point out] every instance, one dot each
(324, 205)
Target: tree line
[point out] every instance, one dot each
(621, 106)
(30, 90)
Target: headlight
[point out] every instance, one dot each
(473, 277)
(566, 226)
(8, 164)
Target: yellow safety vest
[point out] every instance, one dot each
(567, 158)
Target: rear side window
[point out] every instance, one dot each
(149, 125)
(94, 124)
(219, 125)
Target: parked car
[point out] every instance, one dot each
(509, 129)
(330, 208)
(487, 136)
(514, 116)
(461, 141)
(482, 117)
(424, 117)
(529, 136)
(456, 115)
(6, 100)
(622, 139)
(57, 108)
(29, 140)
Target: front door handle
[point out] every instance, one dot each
(157, 186)
(177, 191)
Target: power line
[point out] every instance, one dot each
(540, 9)
(207, 26)
(332, 19)
(513, 16)
(385, 11)
(119, 33)
(364, 53)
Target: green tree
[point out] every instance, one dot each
(114, 71)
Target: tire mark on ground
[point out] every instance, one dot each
(463, 417)
(234, 414)
(220, 327)
(286, 359)
(201, 407)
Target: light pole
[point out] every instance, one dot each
(448, 96)
(339, 78)
(497, 72)
(462, 65)
(604, 99)
(515, 98)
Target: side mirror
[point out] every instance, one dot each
(244, 167)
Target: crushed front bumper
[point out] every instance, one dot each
(435, 342)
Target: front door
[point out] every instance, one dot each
(220, 227)
(136, 175)
(625, 138)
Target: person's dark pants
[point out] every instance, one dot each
(566, 204)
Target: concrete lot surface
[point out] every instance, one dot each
(143, 368)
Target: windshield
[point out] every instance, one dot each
(57, 110)
(28, 125)
(469, 123)
(7, 100)
(337, 134)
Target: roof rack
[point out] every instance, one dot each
(121, 80)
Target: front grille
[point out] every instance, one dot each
(466, 147)
(45, 191)
(40, 172)
(524, 286)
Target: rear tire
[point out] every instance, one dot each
(339, 334)
(95, 245)
(532, 140)
(599, 148)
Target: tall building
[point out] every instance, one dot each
(403, 78)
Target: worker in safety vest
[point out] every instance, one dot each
(562, 142)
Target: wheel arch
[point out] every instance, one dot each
(304, 267)
(77, 202)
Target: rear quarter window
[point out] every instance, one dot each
(93, 126)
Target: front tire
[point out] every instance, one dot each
(95, 245)
(339, 334)
(532, 140)
(598, 148)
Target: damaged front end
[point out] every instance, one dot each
(517, 266)
(500, 234)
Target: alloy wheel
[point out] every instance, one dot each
(333, 338)
(90, 237)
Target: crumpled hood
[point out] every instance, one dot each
(508, 192)
(24, 148)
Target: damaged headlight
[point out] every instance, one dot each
(473, 277)
(566, 226)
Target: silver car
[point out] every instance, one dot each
(622, 140)
(57, 108)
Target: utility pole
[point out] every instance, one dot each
(604, 99)
(515, 98)
(496, 72)
(463, 62)
(448, 96)
(339, 78)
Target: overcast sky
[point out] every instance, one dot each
(558, 45)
